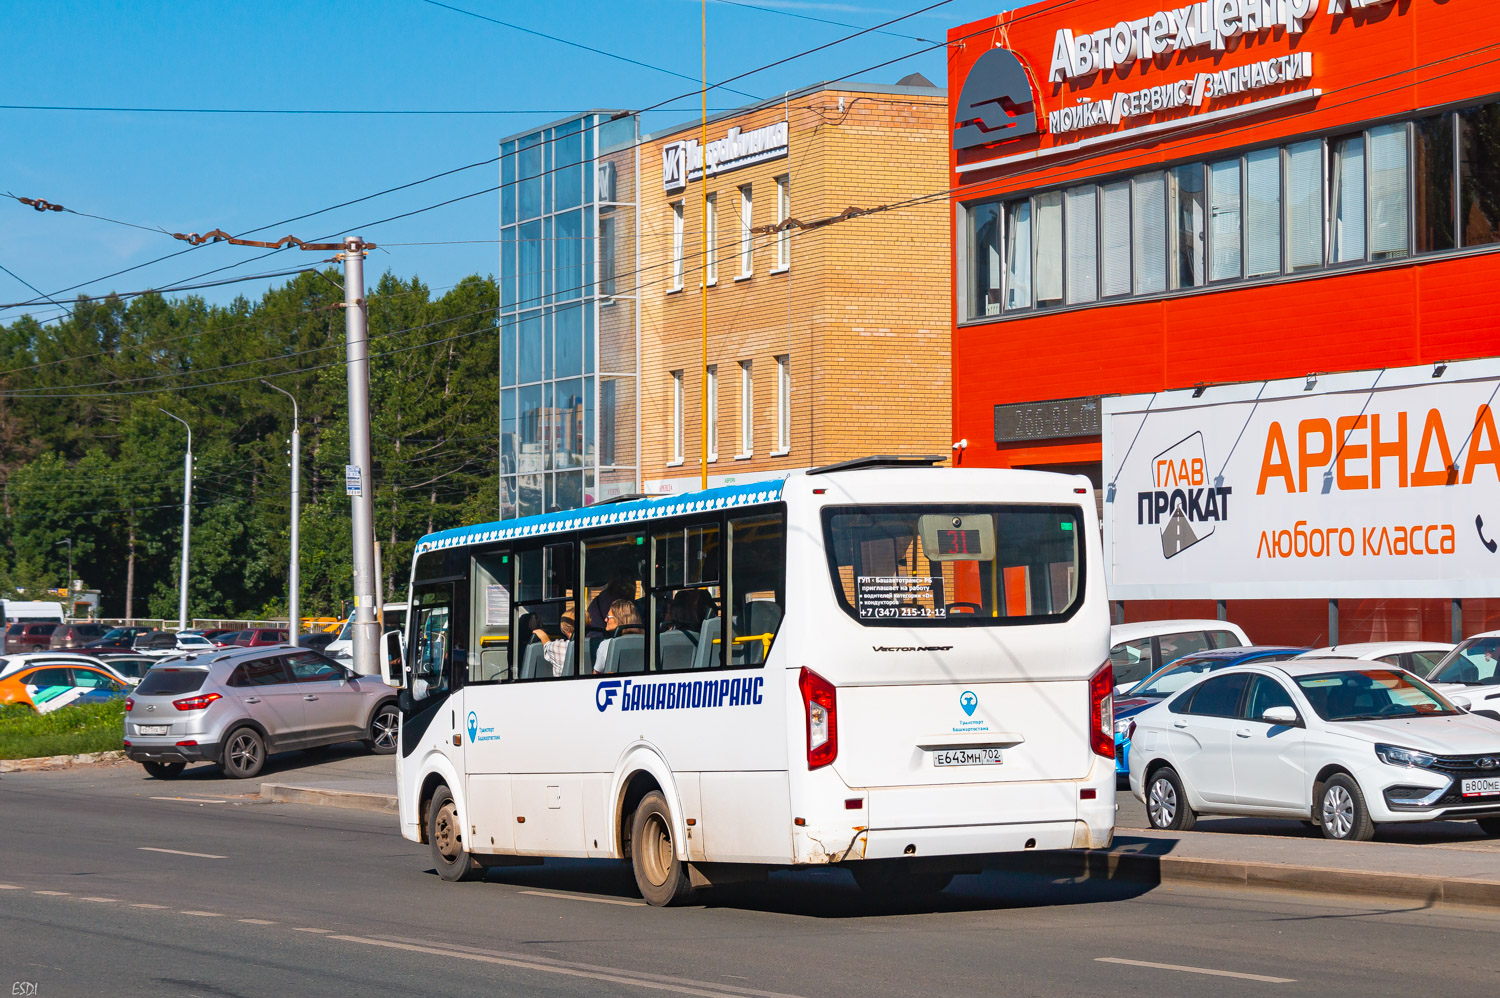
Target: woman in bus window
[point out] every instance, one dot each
(623, 618)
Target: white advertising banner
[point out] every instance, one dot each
(1366, 484)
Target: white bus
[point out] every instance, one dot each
(897, 669)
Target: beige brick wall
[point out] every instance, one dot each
(862, 312)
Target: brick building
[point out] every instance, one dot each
(825, 341)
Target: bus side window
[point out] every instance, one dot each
(685, 597)
(489, 619)
(545, 635)
(757, 587)
(614, 568)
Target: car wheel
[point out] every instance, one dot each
(452, 860)
(1342, 812)
(1167, 806)
(887, 879)
(1490, 826)
(35, 649)
(164, 770)
(244, 753)
(660, 875)
(385, 727)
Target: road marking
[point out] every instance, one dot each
(256, 921)
(706, 990)
(54, 894)
(312, 930)
(153, 907)
(105, 900)
(581, 897)
(10, 887)
(204, 914)
(1196, 970)
(179, 852)
(192, 800)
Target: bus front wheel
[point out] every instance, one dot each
(661, 877)
(453, 862)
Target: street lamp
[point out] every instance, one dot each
(187, 522)
(69, 584)
(294, 580)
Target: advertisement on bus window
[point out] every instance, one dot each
(1363, 484)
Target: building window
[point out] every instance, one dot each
(747, 410)
(1387, 189)
(1304, 206)
(1479, 175)
(1081, 270)
(1191, 229)
(607, 257)
(1346, 185)
(1048, 235)
(1018, 253)
(783, 404)
(1432, 168)
(984, 255)
(783, 212)
(1263, 213)
(1114, 240)
(1225, 220)
(711, 240)
(676, 417)
(747, 255)
(676, 245)
(711, 394)
(1148, 233)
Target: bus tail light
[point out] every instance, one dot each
(821, 703)
(1102, 712)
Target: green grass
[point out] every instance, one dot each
(95, 727)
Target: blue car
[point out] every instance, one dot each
(1170, 678)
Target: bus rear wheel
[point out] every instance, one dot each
(661, 877)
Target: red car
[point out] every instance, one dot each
(259, 637)
(29, 637)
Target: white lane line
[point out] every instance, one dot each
(179, 852)
(10, 887)
(192, 800)
(104, 900)
(543, 968)
(153, 907)
(54, 894)
(319, 931)
(256, 921)
(204, 914)
(1197, 970)
(580, 897)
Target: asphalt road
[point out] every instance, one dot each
(113, 884)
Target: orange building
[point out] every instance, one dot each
(1153, 197)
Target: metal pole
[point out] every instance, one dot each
(294, 574)
(187, 522)
(357, 475)
(703, 181)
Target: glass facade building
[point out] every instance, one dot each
(569, 344)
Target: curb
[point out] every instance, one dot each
(1137, 868)
(60, 761)
(287, 793)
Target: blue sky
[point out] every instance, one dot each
(188, 172)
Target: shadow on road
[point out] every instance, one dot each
(280, 764)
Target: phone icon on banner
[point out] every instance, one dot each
(1479, 526)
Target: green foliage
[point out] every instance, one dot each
(86, 455)
(94, 727)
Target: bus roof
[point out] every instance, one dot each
(636, 511)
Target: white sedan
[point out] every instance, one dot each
(1341, 744)
(1472, 671)
(1417, 657)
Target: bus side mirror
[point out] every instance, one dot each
(392, 670)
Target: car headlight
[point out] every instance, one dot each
(1395, 755)
(1121, 724)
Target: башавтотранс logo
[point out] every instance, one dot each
(1185, 505)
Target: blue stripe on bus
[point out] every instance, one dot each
(601, 516)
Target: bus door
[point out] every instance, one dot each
(432, 702)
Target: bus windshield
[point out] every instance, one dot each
(952, 565)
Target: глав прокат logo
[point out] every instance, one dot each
(1185, 505)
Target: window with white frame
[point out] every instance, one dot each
(783, 212)
(676, 417)
(747, 254)
(783, 404)
(711, 240)
(712, 393)
(747, 410)
(676, 245)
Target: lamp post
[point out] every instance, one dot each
(68, 585)
(294, 575)
(187, 521)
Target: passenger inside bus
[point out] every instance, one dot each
(622, 585)
(624, 650)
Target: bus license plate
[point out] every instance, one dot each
(150, 729)
(1481, 788)
(966, 757)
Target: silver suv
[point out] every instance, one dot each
(235, 706)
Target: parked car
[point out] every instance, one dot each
(46, 686)
(316, 640)
(222, 637)
(121, 638)
(157, 643)
(1417, 657)
(1344, 745)
(32, 636)
(1169, 679)
(259, 637)
(70, 657)
(76, 635)
(128, 665)
(234, 707)
(1139, 649)
(1472, 671)
(195, 643)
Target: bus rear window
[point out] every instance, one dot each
(951, 565)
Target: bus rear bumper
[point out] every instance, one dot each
(974, 840)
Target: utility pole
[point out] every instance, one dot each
(187, 521)
(69, 584)
(294, 574)
(357, 473)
